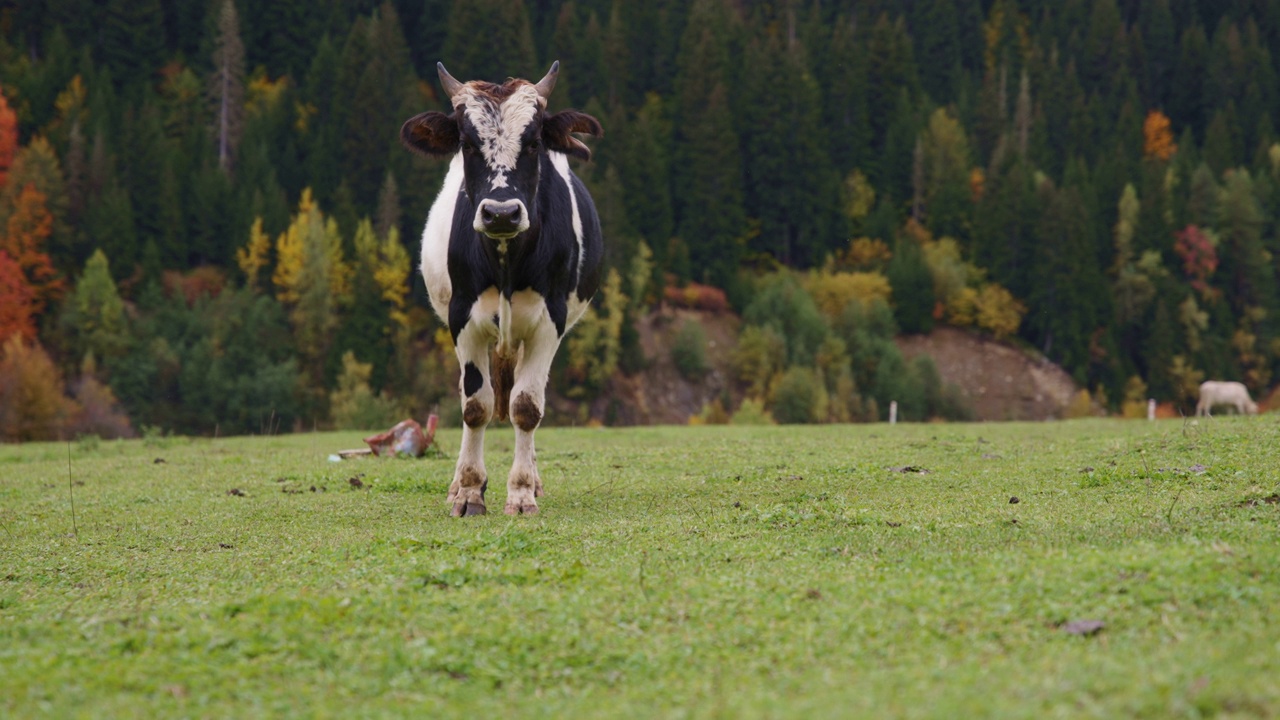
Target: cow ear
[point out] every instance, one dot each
(431, 133)
(557, 132)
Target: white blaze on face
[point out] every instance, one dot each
(499, 127)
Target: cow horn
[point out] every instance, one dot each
(448, 82)
(548, 83)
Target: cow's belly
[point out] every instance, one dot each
(435, 241)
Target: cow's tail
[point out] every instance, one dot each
(503, 376)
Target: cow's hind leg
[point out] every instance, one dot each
(466, 493)
(528, 400)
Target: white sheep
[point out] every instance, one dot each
(1214, 392)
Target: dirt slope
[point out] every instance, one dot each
(1001, 382)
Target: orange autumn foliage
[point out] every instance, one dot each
(8, 138)
(16, 297)
(1157, 136)
(29, 227)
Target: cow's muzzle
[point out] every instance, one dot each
(501, 220)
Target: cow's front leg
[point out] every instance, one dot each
(528, 399)
(466, 494)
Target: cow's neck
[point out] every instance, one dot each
(507, 255)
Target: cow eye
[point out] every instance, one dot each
(534, 147)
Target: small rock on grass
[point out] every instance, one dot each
(1083, 627)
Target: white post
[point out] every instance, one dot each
(1151, 409)
(893, 412)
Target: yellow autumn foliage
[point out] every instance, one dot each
(833, 291)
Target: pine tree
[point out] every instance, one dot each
(789, 181)
(913, 298)
(377, 104)
(646, 185)
(320, 121)
(132, 39)
(936, 27)
(1187, 102)
(427, 41)
(507, 49)
(708, 178)
(1004, 222)
(946, 166)
(1155, 22)
(1066, 285)
(846, 114)
(1249, 280)
(891, 73)
(93, 319)
(226, 86)
(153, 188)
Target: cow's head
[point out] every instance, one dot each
(502, 132)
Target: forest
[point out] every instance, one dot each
(208, 225)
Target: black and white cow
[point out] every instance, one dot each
(511, 256)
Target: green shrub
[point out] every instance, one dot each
(353, 404)
(760, 354)
(913, 297)
(953, 405)
(796, 396)
(783, 304)
(689, 351)
(926, 372)
(751, 412)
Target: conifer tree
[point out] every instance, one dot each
(946, 167)
(1187, 102)
(225, 85)
(377, 104)
(1249, 279)
(935, 25)
(1066, 286)
(790, 184)
(708, 183)
(913, 297)
(647, 185)
(846, 113)
(507, 49)
(93, 319)
(132, 39)
(1155, 21)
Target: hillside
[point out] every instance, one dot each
(997, 380)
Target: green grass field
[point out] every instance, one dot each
(673, 572)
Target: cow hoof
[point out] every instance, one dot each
(468, 508)
(516, 509)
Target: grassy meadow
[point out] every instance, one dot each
(735, 572)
